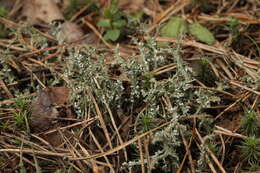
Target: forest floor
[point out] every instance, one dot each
(129, 86)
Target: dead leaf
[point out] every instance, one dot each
(43, 109)
(59, 95)
(69, 32)
(41, 11)
(232, 124)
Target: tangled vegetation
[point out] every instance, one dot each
(170, 88)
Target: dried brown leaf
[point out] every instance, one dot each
(43, 109)
(40, 12)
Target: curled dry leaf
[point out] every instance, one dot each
(41, 11)
(43, 109)
(69, 32)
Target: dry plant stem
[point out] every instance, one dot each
(101, 150)
(214, 69)
(12, 47)
(101, 119)
(52, 70)
(214, 49)
(74, 152)
(8, 93)
(8, 23)
(39, 51)
(140, 146)
(216, 90)
(210, 152)
(240, 60)
(21, 153)
(218, 19)
(225, 69)
(187, 148)
(85, 123)
(30, 151)
(23, 42)
(23, 80)
(86, 153)
(237, 168)
(50, 56)
(79, 13)
(16, 7)
(244, 87)
(45, 35)
(223, 148)
(34, 145)
(37, 167)
(26, 160)
(112, 120)
(115, 127)
(147, 155)
(38, 80)
(255, 102)
(229, 107)
(221, 130)
(182, 163)
(76, 168)
(97, 33)
(9, 101)
(113, 150)
(161, 69)
(115, 134)
(164, 70)
(93, 162)
(49, 145)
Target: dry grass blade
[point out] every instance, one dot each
(120, 147)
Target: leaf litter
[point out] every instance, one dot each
(129, 102)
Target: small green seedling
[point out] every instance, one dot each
(3, 12)
(251, 124)
(146, 122)
(21, 112)
(4, 125)
(19, 118)
(22, 104)
(112, 22)
(3, 29)
(250, 149)
(233, 25)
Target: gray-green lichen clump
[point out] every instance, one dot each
(139, 88)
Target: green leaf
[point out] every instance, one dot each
(3, 12)
(110, 12)
(107, 13)
(119, 23)
(201, 33)
(137, 16)
(112, 34)
(175, 28)
(104, 23)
